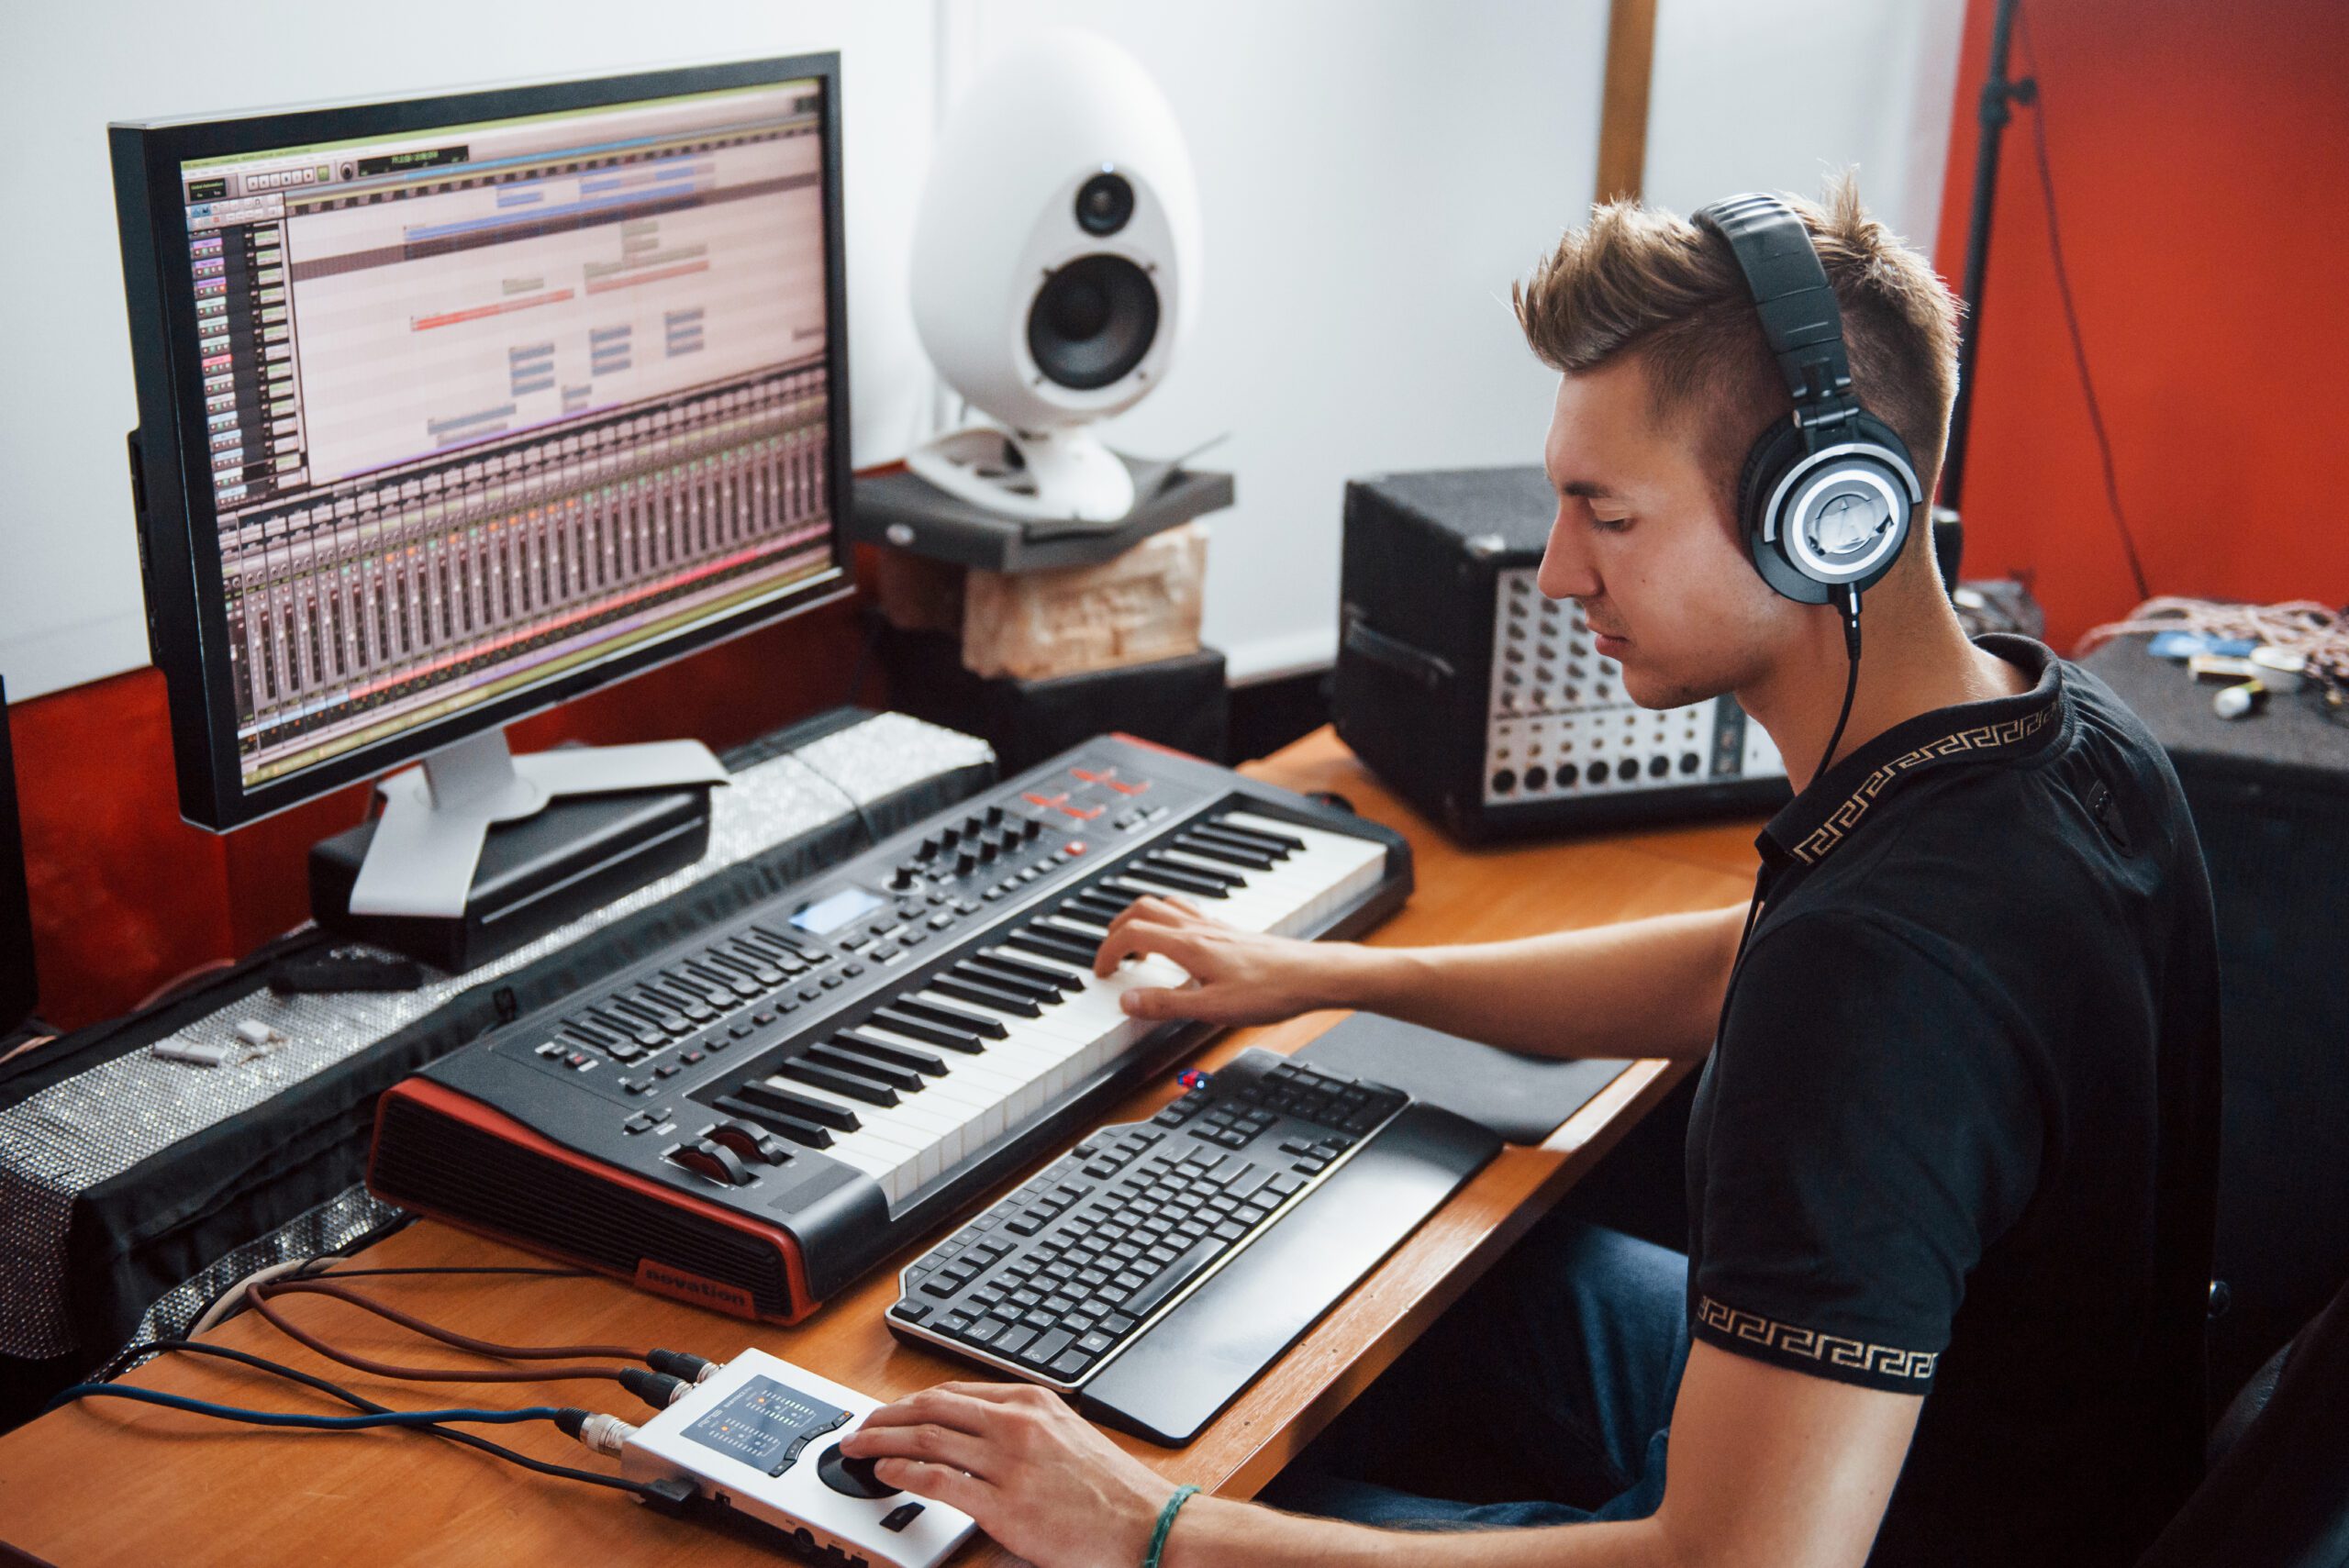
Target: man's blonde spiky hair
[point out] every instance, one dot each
(1638, 280)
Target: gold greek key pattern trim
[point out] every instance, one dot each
(1884, 1360)
(1983, 738)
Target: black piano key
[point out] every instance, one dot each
(890, 1052)
(1181, 882)
(1213, 833)
(823, 1113)
(1041, 974)
(1209, 849)
(846, 1084)
(855, 1064)
(952, 1017)
(1120, 888)
(1077, 946)
(905, 1023)
(1258, 835)
(1101, 910)
(963, 989)
(977, 973)
(1163, 862)
(807, 1133)
(1045, 945)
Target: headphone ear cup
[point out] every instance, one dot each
(1765, 464)
(1876, 431)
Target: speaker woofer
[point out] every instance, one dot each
(1093, 321)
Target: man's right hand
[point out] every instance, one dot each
(1244, 977)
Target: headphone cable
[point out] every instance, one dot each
(1848, 598)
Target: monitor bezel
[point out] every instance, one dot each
(177, 519)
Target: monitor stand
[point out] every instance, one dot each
(436, 817)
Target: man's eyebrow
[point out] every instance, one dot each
(1589, 490)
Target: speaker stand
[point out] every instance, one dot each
(1060, 476)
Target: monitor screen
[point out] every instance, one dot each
(492, 404)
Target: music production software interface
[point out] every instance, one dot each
(494, 400)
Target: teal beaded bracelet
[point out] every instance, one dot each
(1165, 1523)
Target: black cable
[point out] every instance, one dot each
(310, 1270)
(863, 817)
(498, 1450)
(382, 1417)
(2038, 102)
(1850, 606)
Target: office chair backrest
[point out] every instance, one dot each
(2277, 1493)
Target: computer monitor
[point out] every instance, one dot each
(457, 407)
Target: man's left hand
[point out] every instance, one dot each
(1033, 1472)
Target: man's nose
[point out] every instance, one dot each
(1565, 570)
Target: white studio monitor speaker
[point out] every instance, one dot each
(1055, 272)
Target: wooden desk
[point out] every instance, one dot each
(110, 1482)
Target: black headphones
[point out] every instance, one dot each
(1826, 498)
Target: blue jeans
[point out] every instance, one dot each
(1552, 1380)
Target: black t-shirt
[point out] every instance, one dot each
(1958, 1133)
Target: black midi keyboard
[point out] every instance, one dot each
(755, 1114)
(1157, 1267)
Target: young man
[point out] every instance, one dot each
(1950, 1162)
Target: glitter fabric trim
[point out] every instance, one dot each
(97, 1124)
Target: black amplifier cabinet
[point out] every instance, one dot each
(2270, 798)
(1483, 703)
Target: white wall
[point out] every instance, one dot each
(69, 594)
(1778, 94)
(1373, 173)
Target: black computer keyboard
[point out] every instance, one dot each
(1060, 1276)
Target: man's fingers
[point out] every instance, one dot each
(947, 1405)
(1157, 1002)
(925, 1440)
(1001, 1393)
(1138, 936)
(1142, 909)
(943, 1483)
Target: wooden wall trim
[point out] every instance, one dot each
(1623, 108)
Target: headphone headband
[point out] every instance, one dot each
(1800, 318)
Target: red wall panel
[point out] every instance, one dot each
(2201, 156)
